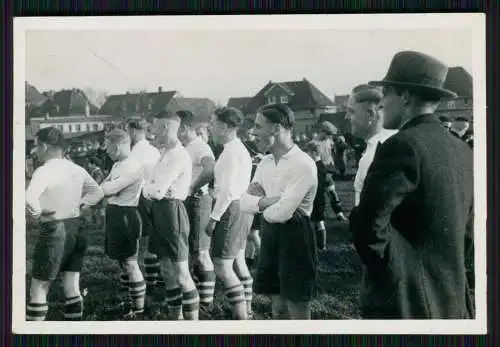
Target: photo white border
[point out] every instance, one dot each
(475, 22)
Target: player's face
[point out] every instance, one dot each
(359, 121)
(264, 132)
(393, 105)
(40, 150)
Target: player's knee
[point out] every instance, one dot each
(204, 260)
(129, 266)
(224, 269)
(182, 273)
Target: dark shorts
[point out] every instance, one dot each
(123, 230)
(144, 208)
(288, 260)
(256, 222)
(318, 212)
(198, 208)
(60, 247)
(169, 239)
(230, 233)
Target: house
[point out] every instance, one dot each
(341, 102)
(305, 99)
(459, 81)
(145, 104)
(32, 100)
(68, 110)
(239, 103)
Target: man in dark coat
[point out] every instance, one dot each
(413, 225)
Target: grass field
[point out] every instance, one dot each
(339, 277)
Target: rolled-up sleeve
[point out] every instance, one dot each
(133, 173)
(303, 180)
(92, 192)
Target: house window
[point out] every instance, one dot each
(284, 99)
(70, 128)
(87, 127)
(95, 126)
(78, 127)
(451, 104)
(60, 127)
(271, 100)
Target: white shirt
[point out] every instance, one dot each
(294, 179)
(199, 149)
(124, 182)
(325, 151)
(366, 160)
(61, 186)
(171, 176)
(148, 155)
(232, 174)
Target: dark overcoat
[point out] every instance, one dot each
(414, 225)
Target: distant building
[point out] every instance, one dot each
(459, 81)
(239, 103)
(68, 110)
(305, 99)
(146, 104)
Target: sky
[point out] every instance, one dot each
(231, 63)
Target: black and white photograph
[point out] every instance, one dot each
(239, 173)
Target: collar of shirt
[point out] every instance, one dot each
(379, 137)
(232, 142)
(194, 141)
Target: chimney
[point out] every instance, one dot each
(160, 89)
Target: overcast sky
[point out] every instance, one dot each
(223, 64)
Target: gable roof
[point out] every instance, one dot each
(159, 100)
(33, 96)
(459, 81)
(202, 108)
(65, 103)
(305, 95)
(239, 103)
(341, 100)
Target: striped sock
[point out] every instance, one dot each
(36, 311)
(190, 304)
(137, 292)
(206, 287)
(235, 295)
(124, 281)
(73, 308)
(152, 270)
(174, 302)
(247, 285)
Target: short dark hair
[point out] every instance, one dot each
(51, 136)
(138, 124)
(278, 114)
(230, 116)
(187, 118)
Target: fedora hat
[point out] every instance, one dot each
(418, 72)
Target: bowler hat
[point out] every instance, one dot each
(418, 72)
